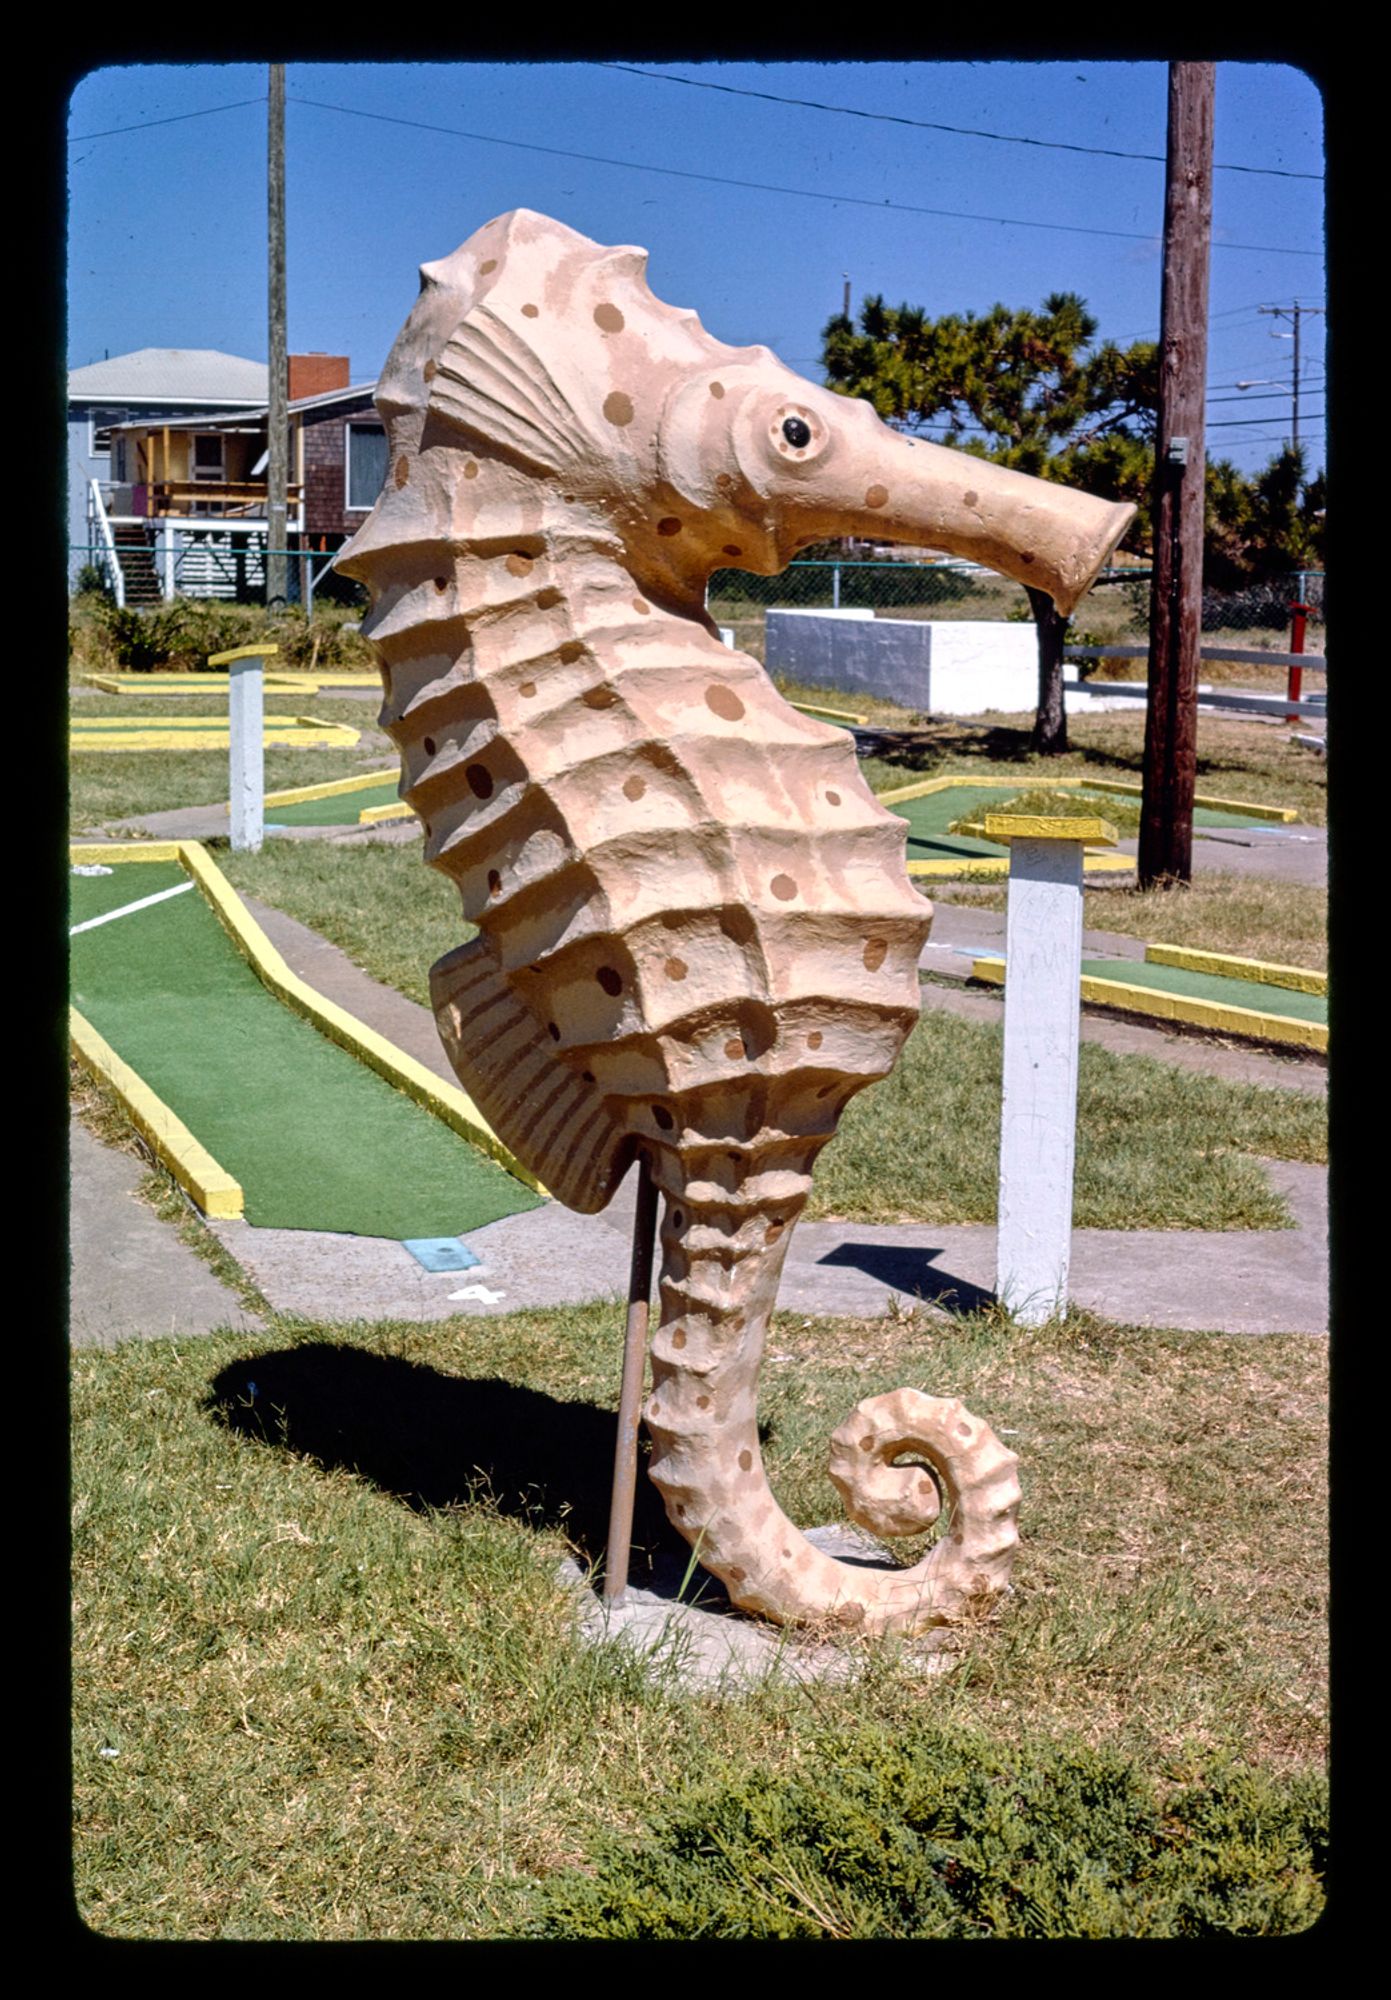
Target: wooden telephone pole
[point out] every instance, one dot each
(1176, 589)
(277, 422)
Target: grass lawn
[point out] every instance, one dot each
(1158, 1148)
(376, 900)
(326, 1681)
(1237, 759)
(110, 785)
(327, 1684)
(1285, 923)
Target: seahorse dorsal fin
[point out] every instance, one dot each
(491, 380)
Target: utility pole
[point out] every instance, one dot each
(1291, 313)
(845, 308)
(277, 469)
(1171, 721)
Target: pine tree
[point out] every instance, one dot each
(1020, 388)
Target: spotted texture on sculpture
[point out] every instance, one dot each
(696, 935)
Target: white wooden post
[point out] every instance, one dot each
(246, 730)
(1038, 1112)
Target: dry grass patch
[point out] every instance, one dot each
(1173, 1568)
(327, 1683)
(1284, 923)
(110, 785)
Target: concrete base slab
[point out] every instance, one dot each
(686, 1630)
(132, 1278)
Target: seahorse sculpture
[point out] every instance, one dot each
(696, 935)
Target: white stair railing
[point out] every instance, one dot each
(96, 516)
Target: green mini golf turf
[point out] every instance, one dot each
(92, 895)
(341, 809)
(1252, 993)
(930, 816)
(317, 1140)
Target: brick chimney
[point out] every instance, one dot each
(316, 374)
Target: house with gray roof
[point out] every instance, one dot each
(156, 383)
(168, 461)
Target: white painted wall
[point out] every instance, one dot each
(938, 666)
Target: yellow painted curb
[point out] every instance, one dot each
(1296, 978)
(286, 732)
(982, 865)
(988, 865)
(446, 1101)
(330, 788)
(924, 787)
(1213, 1014)
(192, 1166)
(1285, 815)
(282, 681)
(86, 852)
(820, 708)
(374, 815)
(326, 677)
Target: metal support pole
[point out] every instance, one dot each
(625, 1461)
(246, 731)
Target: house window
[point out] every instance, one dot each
(366, 449)
(208, 460)
(99, 424)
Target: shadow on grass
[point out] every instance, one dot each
(435, 1440)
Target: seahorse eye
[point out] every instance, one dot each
(796, 432)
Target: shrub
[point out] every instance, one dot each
(181, 635)
(92, 581)
(952, 1836)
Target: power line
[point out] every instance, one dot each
(1241, 423)
(769, 187)
(1280, 395)
(929, 125)
(178, 118)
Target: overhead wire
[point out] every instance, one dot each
(931, 125)
(721, 180)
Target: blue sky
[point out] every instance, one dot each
(167, 222)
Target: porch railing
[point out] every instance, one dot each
(226, 498)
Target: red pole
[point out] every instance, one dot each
(1299, 614)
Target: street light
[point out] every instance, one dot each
(1269, 382)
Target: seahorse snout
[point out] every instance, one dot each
(776, 463)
